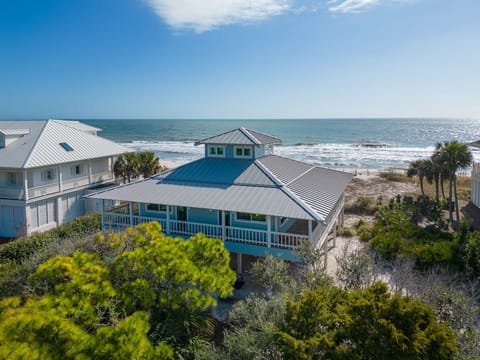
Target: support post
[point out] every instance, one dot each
(89, 171)
(269, 231)
(59, 211)
(167, 230)
(102, 210)
(25, 184)
(60, 179)
(325, 250)
(239, 263)
(224, 233)
(310, 231)
(130, 210)
(335, 233)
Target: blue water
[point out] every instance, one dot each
(335, 143)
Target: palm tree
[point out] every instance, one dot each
(148, 164)
(455, 156)
(419, 168)
(126, 166)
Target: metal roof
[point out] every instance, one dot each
(241, 136)
(19, 132)
(78, 125)
(270, 185)
(41, 147)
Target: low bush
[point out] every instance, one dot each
(347, 232)
(364, 205)
(398, 177)
(21, 249)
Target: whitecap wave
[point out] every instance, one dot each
(349, 156)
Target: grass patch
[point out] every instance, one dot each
(397, 177)
(364, 205)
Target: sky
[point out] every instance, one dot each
(239, 58)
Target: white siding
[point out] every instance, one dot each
(73, 206)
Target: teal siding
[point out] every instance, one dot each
(260, 251)
(203, 216)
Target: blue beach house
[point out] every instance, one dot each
(258, 203)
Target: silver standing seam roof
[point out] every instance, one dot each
(241, 136)
(270, 185)
(41, 145)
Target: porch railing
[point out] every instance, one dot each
(287, 241)
(12, 193)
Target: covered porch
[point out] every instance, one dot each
(277, 236)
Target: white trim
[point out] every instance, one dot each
(156, 211)
(216, 147)
(243, 148)
(250, 221)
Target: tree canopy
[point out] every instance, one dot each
(143, 296)
(362, 324)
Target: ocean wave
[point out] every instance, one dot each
(363, 155)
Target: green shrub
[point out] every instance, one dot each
(18, 250)
(346, 232)
(387, 245)
(364, 205)
(439, 253)
(365, 236)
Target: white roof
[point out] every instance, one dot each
(42, 145)
(19, 132)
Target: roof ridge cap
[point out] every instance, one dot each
(251, 137)
(289, 193)
(27, 158)
(301, 175)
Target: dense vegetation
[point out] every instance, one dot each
(141, 295)
(414, 228)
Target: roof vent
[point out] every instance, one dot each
(8, 136)
(66, 146)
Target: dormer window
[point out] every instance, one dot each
(216, 151)
(244, 152)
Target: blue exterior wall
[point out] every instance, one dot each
(257, 151)
(203, 216)
(260, 251)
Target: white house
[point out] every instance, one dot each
(46, 167)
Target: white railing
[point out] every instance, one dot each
(102, 176)
(75, 182)
(43, 190)
(287, 241)
(12, 193)
(119, 222)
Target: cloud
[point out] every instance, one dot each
(353, 6)
(204, 15)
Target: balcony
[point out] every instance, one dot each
(269, 239)
(12, 193)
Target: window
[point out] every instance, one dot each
(13, 178)
(157, 207)
(48, 175)
(243, 152)
(216, 151)
(76, 170)
(283, 220)
(251, 217)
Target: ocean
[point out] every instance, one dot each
(333, 143)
